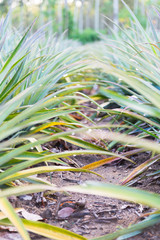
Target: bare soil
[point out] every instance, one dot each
(89, 215)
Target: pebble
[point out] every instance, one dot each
(47, 214)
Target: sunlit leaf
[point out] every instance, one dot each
(140, 169)
(47, 230)
(8, 210)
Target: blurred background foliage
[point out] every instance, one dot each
(82, 19)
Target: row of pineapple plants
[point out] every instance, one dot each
(42, 82)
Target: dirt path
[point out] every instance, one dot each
(88, 215)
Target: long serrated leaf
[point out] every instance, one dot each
(47, 230)
(99, 163)
(17, 210)
(140, 169)
(7, 65)
(44, 169)
(117, 191)
(142, 108)
(24, 165)
(8, 210)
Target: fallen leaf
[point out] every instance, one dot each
(125, 206)
(65, 212)
(8, 228)
(25, 197)
(31, 216)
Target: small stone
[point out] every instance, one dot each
(47, 214)
(25, 197)
(81, 203)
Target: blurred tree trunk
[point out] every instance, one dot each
(66, 4)
(66, 14)
(21, 17)
(60, 17)
(96, 19)
(88, 10)
(115, 14)
(101, 16)
(10, 9)
(41, 16)
(135, 6)
(81, 17)
(50, 11)
(75, 13)
(157, 17)
(142, 7)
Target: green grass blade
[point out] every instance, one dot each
(16, 49)
(54, 156)
(142, 108)
(116, 191)
(44, 169)
(47, 230)
(140, 169)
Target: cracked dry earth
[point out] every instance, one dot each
(89, 215)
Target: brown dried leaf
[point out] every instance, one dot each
(65, 212)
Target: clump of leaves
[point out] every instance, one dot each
(36, 96)
(38, 101)
(133, 59)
